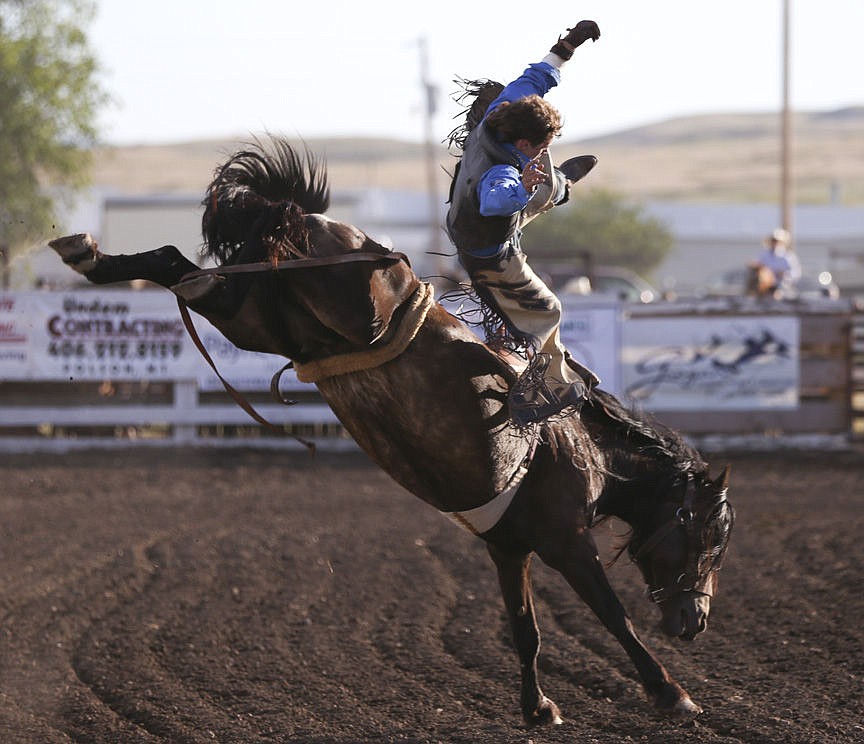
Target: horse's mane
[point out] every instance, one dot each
(261, 193)
(634, 432)
(634, 436)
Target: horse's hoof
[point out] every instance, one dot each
(685, 709)
(545, 714)
(78, 251)
(674, 702)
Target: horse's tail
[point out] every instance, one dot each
(252, 186)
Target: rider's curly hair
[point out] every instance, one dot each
(532, 118)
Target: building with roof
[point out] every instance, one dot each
(712, 239)
(709, 239)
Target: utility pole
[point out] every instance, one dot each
(786, 133)
(430, 93)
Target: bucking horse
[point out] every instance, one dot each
(426, 399)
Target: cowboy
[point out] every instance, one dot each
(504, 179)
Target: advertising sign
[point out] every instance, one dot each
(591, 335)
(711, 363)
(245, 370)
(14, 336)
(662, 363)
(95, 335)
(98, 335)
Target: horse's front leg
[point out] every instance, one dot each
(514, 577)
(578, 561)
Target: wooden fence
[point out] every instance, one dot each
(831, 376)
(56, 415)
(856, 375)
(64, 416)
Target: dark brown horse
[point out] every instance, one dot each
(428, 402)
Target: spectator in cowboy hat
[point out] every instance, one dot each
(777, 265)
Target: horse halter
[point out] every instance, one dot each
(684, 517)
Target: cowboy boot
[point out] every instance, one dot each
(588, 376)
(535, 396)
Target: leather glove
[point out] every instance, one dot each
(580, 33)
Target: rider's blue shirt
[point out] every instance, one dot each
(500, 189)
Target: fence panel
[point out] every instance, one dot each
(42, 408)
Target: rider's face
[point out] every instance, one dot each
(530, 150)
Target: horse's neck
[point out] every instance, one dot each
(638, 458)
(632, 488)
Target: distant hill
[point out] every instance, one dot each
(709, 158)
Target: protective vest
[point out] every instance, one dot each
(468, 229)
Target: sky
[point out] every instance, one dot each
(181, 70)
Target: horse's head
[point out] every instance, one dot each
(681, 551)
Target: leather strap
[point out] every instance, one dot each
(260, 267)
(298, 263)
(230, 389)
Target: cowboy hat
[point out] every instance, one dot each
(778, 235)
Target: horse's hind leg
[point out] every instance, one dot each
(164, 266)
(514, 577)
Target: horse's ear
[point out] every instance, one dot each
(722, 480)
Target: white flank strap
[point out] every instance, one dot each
(484, 518)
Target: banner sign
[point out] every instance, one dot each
(592, 336)
(663, 363)
(245, 370)
(14, 336)
(95, 335)
(106, 334)
(711, 363)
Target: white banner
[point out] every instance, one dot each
(245, 370)
(118, 334)
(592, 336)
(14, 336)
(663, 363)
(107, 334)
(711, 363)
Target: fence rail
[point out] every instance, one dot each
(52, 413)
(856, 375)
(189, 417)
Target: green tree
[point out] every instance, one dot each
(49, 101)
(601, 225)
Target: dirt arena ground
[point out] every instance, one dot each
(254, 596)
